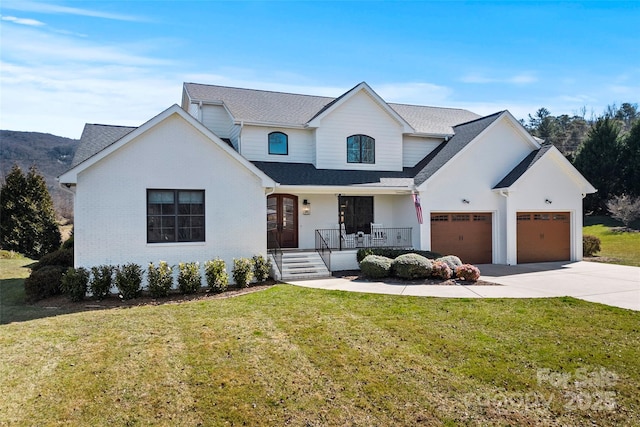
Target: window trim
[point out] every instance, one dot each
(360, 140)
(176, 215)
(286, 143)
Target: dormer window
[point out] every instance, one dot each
(361, 149)
(278, 143)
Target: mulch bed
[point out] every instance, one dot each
(62, 302)
(355, 276)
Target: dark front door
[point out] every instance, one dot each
(282, 220)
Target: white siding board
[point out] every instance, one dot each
(255, 145)
(216, 119)
(415, 148)
(360, 114)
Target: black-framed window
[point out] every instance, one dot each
(278, 143)
(361, 149)
(175, 216)
(356, 213)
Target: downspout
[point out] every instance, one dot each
(240, 136)
(505, 194)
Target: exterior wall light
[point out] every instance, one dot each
(306, 207)
(465, 201)
(547, 201)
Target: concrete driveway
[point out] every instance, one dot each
(615, 285)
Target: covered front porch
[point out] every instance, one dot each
(336, 224)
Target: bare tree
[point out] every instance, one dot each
(624, 208)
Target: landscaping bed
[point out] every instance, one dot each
(356, 276)
(64, 304)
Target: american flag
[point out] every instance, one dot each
(416, 201)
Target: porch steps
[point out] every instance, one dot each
(303, 265)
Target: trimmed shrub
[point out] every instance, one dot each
(394, 253)
(215, 272)
(101, 281)
(189, 278)
(411, 266)
(590, 245)
(451, 260)
(74, 283)
(129, 280)
(376, 266)
(261, 268)
(44, 283)
(61, 258)
(440, 270)
(242, 272)
(159, 279)
(468, 272)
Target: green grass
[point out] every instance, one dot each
(618, 248)
(298, 356)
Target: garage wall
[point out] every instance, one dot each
(547, 181)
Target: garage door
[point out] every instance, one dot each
(466, 235)
(543, 236)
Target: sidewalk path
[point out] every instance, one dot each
(615, 285)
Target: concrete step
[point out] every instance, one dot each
(303, 265)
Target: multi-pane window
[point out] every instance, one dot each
(361, 149)
(175, 216)
(278, 143)
(356, 213)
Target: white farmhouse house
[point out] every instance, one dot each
(237, 172)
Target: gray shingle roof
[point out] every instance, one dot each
(464, 134)
(251, 105)
(522, 167)
(96, 138)
(307, 174)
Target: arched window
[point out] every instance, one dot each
(361, 149)
(278, 143)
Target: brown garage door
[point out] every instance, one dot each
(466, 235)
(543, 236)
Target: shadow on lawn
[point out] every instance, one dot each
(13, 307)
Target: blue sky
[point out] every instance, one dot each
(66, 63)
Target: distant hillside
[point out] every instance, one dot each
(51, 154)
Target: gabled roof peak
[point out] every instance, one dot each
(275, 108)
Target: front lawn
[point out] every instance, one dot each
(616, 247)
(298, 356)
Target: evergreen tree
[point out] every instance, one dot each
(598, 159)
(631, 156)
(27, 218)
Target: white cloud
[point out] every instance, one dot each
(22, 21)
(517, 79)
(41, 7)
(53, 83)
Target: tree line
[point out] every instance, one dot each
(605, 149)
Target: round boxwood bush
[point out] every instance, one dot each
(375, 266)
(60, 258)
(468, 272)
(451, 260)
(44, 283)
(411, 266)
